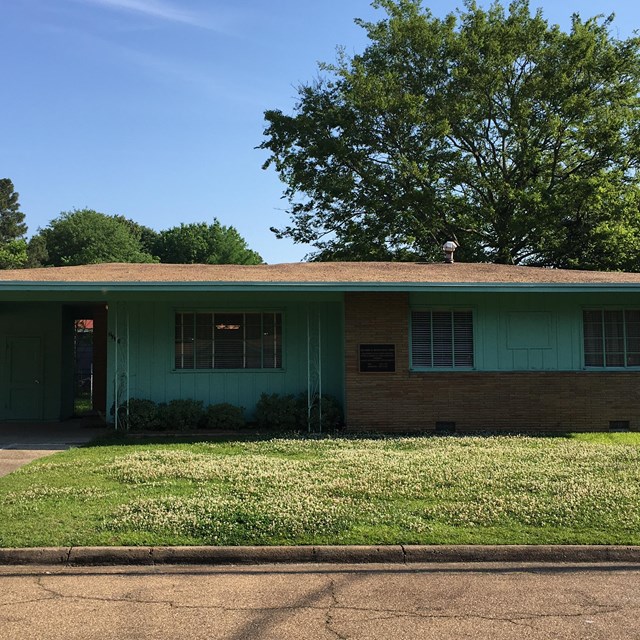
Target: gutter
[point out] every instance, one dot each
(197, 287)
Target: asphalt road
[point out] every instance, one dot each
(287, 602)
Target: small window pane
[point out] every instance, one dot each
(615, 359)
(184, 341)
(594, 359)
(229, 341)
(204, 340)
(442, 339)
(253, 341)
(633, 359)
(463, 338)
(272, 341)
(421, 339)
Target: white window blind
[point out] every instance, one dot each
(209, 340)
(442, 339)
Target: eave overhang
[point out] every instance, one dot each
(108, 288)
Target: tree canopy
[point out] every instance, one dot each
(13, 247)
(12, 225)
(490, 127)
(201, 243)
(84, 236)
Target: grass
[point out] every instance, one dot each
(581, 489)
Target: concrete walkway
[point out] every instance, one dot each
(22, 442)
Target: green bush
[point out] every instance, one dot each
(180, 415)
(142, 415)
(223, 416)
(274, 411)
(288, 412)
(331, 413)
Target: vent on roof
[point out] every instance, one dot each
(449, 247)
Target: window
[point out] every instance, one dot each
(611, 337)
(228, 340)
(442, 339)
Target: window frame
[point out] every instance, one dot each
(604, 367)
(450, 309)
(224, 310)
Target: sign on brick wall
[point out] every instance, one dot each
(377, 358)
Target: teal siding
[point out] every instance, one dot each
(150, 351)
(42, 324)
(527, 331)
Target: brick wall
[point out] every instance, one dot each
(407, 401)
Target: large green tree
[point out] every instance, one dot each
(201, 243)
(491, 127)
(12, 225)
(84, 236)
(13, 247)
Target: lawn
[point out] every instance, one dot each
(439, 490)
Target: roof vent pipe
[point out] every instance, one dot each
(449, 247)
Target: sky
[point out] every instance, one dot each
(153, 109)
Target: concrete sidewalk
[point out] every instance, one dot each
(22, 442)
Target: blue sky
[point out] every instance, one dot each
(153, 108)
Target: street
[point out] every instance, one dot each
(287, 602)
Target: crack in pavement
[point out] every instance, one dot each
(518, 619)
(329, 620)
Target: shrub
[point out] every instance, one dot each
(331, 413)
(274, 411)
(180, 415)
(289, 412)
(143, 415)
(223, 416)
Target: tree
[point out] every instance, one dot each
(492, 128)
(37, 254)
(13, 247)
(146, 236)
(200, 243)
(84, 236)
(13, 254)
(12, 226)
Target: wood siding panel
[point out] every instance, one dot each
(42, 321)
(152, 374)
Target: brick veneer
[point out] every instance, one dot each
(408, 401)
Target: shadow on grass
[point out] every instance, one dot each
(114, 438)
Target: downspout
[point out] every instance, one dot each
(308, 371)
(115, 377)
(319, 371)
(128, 397)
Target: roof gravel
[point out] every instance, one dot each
(316, 272)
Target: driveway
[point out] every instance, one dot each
(22, 442)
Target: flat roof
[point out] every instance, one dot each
(333, 273)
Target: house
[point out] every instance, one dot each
(403, 346)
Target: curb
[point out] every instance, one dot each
(393, 554)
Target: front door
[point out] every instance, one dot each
(25, 384)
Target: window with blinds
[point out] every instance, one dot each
(611, 337)
(208, 340)
(442, 339)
